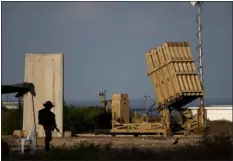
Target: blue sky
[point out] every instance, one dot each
(104, 42)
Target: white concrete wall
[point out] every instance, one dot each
(45, 71)
(216, 112)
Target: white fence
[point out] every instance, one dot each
(222, 112)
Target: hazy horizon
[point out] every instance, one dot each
(140, 105)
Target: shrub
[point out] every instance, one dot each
(5, 148)
(10, 121)
(219, 127)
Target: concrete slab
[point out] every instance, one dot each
(45, 71)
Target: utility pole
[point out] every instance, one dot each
(201, 111)
(103, 99)
(147, 98)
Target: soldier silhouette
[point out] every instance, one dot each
(47, 120)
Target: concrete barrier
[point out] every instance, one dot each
(19, 134)
(67, 134)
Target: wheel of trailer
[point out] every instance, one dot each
(186, 133)
(113, 135)
(135, 135)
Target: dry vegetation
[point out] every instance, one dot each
(216, 146)
(220, 127)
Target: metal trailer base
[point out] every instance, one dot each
(136, 129)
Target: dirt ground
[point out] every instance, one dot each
(115, 142)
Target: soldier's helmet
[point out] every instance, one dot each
(48, 104)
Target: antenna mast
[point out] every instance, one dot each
(202, 113)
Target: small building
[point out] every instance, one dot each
(10, 104)
(216, 112)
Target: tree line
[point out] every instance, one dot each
(75, 119)
(82, 120)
